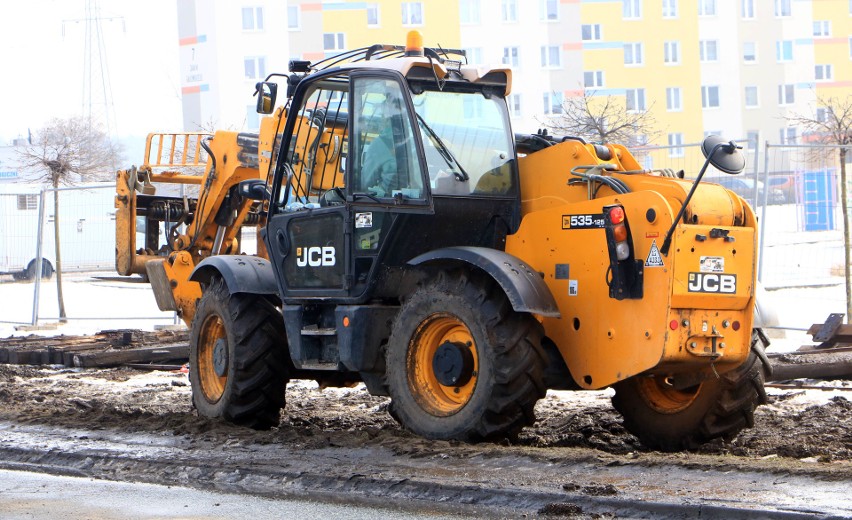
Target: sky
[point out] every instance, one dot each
(43, 44)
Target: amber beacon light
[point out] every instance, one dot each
(414, 44)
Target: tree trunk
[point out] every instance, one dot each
(62, 317)
(844, 200)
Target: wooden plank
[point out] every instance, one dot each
(137, 355)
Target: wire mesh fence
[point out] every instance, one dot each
(794, 190)
(85, 223)
(31, 217)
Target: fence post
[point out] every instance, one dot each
(39, 260)
(762, 235)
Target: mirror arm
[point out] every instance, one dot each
(668, 240)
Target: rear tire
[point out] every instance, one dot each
(29, 273)
(496, 393)
(668, 419)
(238, 365)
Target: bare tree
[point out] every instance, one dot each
(64, 152)
(605, 120)
(831, 123)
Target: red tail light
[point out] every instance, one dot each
(616, 215)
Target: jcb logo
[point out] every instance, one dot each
(712, 283)
(315, 256)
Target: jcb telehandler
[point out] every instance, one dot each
(412, 242)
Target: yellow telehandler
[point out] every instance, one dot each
(410, 241)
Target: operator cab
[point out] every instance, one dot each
(387, 153)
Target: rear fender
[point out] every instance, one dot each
(524, 287)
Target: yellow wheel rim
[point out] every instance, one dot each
(431, 395)
(663, 397)
(212, 384)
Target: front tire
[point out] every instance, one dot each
(238, 367)
(462, 364)
(670, 419)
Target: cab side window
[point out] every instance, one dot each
(387, 163)
(317, 155)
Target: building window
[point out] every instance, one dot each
(708, 50)
(673, 99)
(294, 17)
(255, 67)
(784, 50)
(469, 11)
(252, 18)
(372, 15)
(751, 99)
(633, 53)
(747, 9)
(788, 135)
(786, 94)
(474, 54)
(669, 8)
(822, 28)
(752, 139)
(27, 202)
(550, 56)
(631, 9)
(593, 79)
(749, 52)
(511, 56)
(333, 41)
(634, 100)
(514, 101)
(821, 115)
(510, 10)
(823, 73)
(552, 103)
(676, 142)
(671, 53)
(782, 8)
(591, 32)
(710, 96)
(549, 10)
(706, 7)
(412, 13)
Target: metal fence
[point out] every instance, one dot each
(86, 230)
(794, 190)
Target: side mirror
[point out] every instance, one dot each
(726, 158)
(253, 189)
(266, 94)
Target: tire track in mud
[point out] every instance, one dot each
(341, 445)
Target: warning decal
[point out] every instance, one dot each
(654, 258)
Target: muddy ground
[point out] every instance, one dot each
(801, 432)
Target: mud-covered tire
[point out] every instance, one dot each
(506, 379)
(249, 387)
(671, 420)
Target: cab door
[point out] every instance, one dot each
(353, 162)
(307, 228)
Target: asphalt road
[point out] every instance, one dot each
(37, 496)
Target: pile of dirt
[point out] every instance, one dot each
(127, 400)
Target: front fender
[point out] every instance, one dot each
(524, 287)
(241, 273)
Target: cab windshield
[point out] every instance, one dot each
(467, 142)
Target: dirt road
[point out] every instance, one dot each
(340, 444)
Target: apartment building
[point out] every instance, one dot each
(738, 68)
(225, 48)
